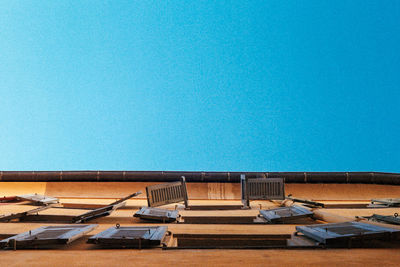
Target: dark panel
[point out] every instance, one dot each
(286, 214)
(47, 236)
(81, 176)
(220, 177)
(175, 176)
(230, 241)
(290, 177)
(386, 178)
(211, 176)
(143, 176)
(156, 214)
(48, 176)
(343, 234)
(135, 237)
(360, 177)
(109, 176)
(11, 176)
(325, 177)
(269, 188)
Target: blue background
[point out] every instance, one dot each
(196, 85)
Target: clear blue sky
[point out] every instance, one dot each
(196, 85)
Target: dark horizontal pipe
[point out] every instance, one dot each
(217, 177)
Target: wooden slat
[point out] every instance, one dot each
(261, 189)
(163, 194)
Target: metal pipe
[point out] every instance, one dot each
(198, 177)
